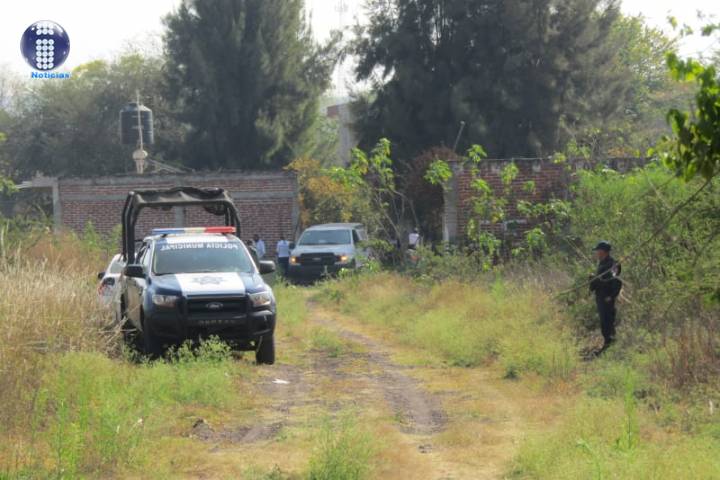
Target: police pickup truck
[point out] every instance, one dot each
(196, 283)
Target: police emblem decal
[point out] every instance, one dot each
(208, 280)
(45, 45)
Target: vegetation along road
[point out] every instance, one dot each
(379, 375)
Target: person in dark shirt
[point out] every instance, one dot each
(606, 285)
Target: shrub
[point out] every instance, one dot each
(670, 275)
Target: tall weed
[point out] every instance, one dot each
(71, 406)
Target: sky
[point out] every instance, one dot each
(103, 28)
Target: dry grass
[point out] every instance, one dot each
(72, 404)
(48, 305)
(466, 324)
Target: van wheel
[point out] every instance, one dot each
(265, 354)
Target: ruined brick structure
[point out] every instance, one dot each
(552, 180)
(266, 201)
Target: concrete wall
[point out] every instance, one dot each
(266, 201)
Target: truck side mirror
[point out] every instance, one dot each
(292, 245)
(266, 266)
(134, 271)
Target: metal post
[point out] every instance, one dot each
(140, 154)
(457, 139)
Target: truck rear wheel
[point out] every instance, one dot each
(265, 354)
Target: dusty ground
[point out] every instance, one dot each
(429, 422)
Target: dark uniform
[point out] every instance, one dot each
(606, 286)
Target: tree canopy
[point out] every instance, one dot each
(70, 127)
(519, 73)
(246, 76)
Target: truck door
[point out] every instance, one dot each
(136, 288)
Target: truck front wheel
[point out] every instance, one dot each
(265, 354)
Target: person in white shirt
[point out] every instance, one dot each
(283, 254)
(259, 246)
(414, 239)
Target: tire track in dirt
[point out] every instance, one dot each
(310, 383)
(284, 388)
(486, 451)
(419, 412)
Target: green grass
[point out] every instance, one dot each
(292, 310)
(344, 451)
(93, 414)
(603, 438)
(328, 342)
(464, 324)
(622, 424)
(293, 322)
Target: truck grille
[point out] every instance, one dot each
(311, 259)
(219, 310)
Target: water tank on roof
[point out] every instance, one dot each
(129, 124)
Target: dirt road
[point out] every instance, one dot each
(430, 422)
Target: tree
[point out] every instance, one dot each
(325, 199)
(246, 76)
(71, 126)
(640, 121)
(514, 71)
(323, 141)
(6, 185)
(695, 148)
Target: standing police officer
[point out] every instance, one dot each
(606, 285)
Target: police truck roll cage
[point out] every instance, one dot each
(214, 200)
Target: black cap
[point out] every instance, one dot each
(603, 245)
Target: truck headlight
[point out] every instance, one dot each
(261, 299)
(342, 259)
(294, 260)
(167, 301)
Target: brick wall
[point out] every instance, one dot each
(266, 202)
(551, 181)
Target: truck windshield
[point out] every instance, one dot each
(325, 237)
(200, 257)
